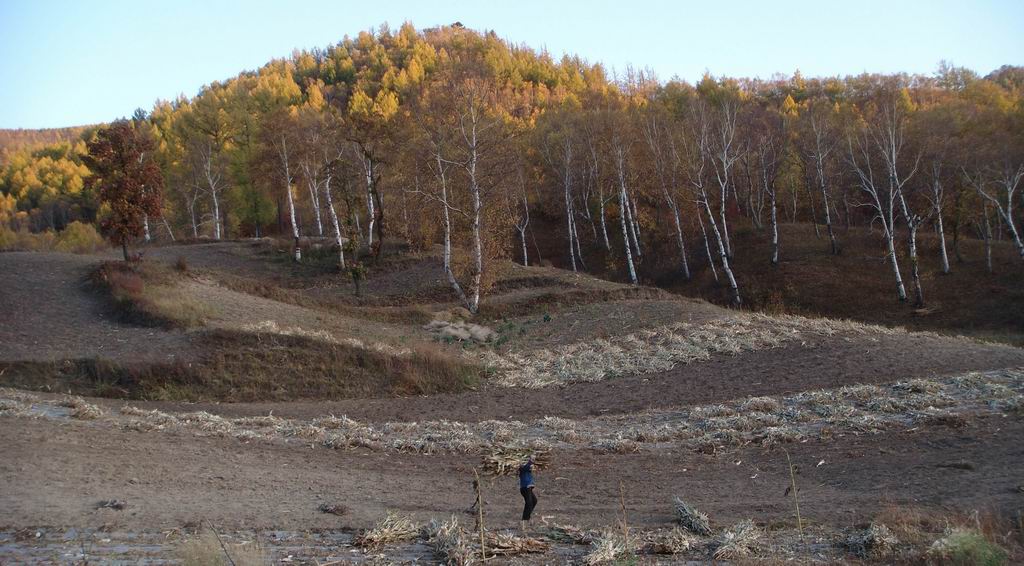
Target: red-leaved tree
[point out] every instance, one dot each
(127, 179)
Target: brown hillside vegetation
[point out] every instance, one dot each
(856, 284)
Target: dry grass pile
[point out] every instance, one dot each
(504, 445)
(609, 547)
(568, 534)
(662, 348)
(271, 327)
(504, 460)
(507, 544)
(80, 409)
(876, 541)
(738, 542)
(460, 331)
(448, 541)
(692, 519)
(672, 541)
(13, 408)
(390, 529)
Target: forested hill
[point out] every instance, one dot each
(453, 137)
(11, 139)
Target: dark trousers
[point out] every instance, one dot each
(530, 500)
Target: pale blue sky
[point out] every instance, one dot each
(76, 62)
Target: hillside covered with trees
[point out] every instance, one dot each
(451, 137)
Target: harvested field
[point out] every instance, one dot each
(311, 425)
(764, 421)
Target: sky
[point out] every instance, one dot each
(73, 62)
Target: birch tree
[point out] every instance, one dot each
(819, 143)
(876, 151)
(700, 153)
(666, 162)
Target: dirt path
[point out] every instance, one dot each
(46, 313)
(779, 371)
(54, 473)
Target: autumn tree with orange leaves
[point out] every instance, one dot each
(127, 178)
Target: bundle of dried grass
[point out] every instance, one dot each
(738, 542)
(80, 409)
(392, 528)
(875, 541)
(692, 519)
(505, 460)
(608, 547)
(12, 408)
(674, 541)
(449, 543)
(505, 544)
(569, 534)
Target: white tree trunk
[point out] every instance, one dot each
(169, 231)
(775, 227)
(733, 287)
(707, 247)
(314, 198)
(679, 235)
(216, 215)
(942, 238)
(333, 214)
(604, 225)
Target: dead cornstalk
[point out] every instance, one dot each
(222, 547)
(478, 487)
(622, 504)
(792, 488)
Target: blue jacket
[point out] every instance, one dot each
(526, 475)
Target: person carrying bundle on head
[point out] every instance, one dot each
(526, 489)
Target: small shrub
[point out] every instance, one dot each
(79, 238)
(8, 238)
(181, 264)
(967, 548)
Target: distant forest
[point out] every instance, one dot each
(453, 138)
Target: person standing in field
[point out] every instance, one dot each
(526, 489)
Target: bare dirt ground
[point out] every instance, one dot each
(47, 314)
(55, 470)
(55, 474)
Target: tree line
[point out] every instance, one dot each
(453, 137)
